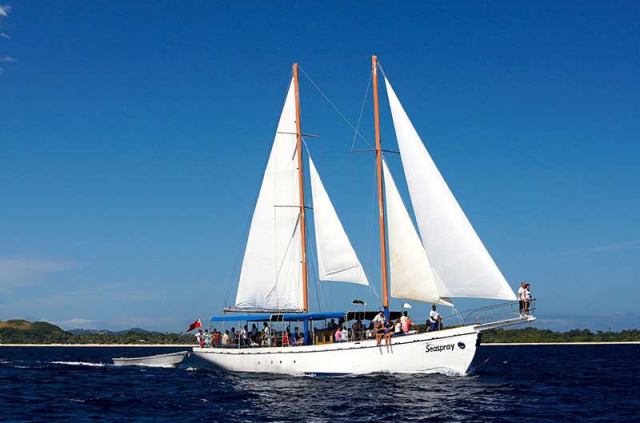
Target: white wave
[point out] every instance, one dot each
(79, 363)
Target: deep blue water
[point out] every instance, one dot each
(508, 384)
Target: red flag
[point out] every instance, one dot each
(194, 325)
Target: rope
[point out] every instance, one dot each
(335, 107)
(364, 101)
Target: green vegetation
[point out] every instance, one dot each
(534, 335)
(24, 332)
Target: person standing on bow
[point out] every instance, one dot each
(522, 298)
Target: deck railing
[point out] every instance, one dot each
(492, 313)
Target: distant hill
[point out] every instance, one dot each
(25, 332)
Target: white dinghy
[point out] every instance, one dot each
(160, 360)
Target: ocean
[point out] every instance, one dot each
(542, 383)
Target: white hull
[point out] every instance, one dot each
(161, 360)
(446, 351)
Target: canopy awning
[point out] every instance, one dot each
(250, 318)
(314, 316)
(293, 317)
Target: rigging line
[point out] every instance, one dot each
(364, 101)
(334, 107)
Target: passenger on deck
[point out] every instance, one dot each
(266, 335)
(286, 338)
(435, 321)
(397, 327)
(345, 333)
(405, 322)
(388, 332)
(528, 298)
(297, 337)
(207, 338)
(378, 327)
(356, 329)
(332, 324)
(370, 334)
(337, 336)
(199, 338)
(254, 333)
(244, 336)
(522, 298)
(379, 318)
(225, 338)
(233, 336)
(216, 337)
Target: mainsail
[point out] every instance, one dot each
(337, 261)
(410, 271)
(458, 258)
(271, 275)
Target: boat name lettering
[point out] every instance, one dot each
(440, 348)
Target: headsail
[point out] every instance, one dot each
(411, 276)
(271, 275)
(458, 258)
(337, 261)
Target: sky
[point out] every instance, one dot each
(133, 138)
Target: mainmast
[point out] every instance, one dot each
(383, 237)
(303, 229)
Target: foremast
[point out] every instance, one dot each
(303, 228)
(383, 236)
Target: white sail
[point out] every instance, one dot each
(337, 261)
(410, 271)
(458, 258)
(271, 275)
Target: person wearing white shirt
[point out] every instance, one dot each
(266, 335)
(345, 333)
(434, 319)
(522, 298)
(379, 318)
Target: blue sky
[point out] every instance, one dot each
(133, 139)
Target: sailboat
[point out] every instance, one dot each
(443, 260)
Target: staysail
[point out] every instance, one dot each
(337, 261)
(410, 271)
(458, 258)
(271, 275)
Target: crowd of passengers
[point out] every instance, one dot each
(379, 328)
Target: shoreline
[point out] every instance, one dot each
(492, 344)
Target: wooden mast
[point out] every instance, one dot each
(303, 228)
(383, 236)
